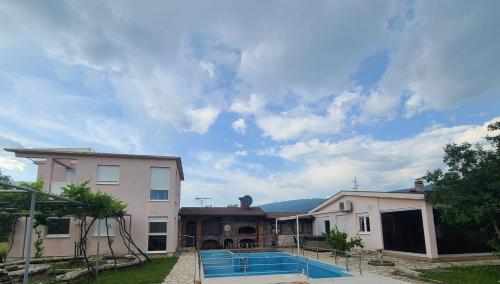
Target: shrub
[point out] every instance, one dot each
(338, 240)
(4, 250)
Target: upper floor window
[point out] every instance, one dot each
(58, 227)
(108, 174)
(159, 183)
(364, 224)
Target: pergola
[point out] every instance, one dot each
(296, 217)
(37, 201)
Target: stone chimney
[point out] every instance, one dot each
(419, 185)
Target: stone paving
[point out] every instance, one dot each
(183, 271)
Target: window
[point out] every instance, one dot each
(108, 174)
(102, 229)
(327, 226)
(157, 234)
(364, 224)
(159, 181)
(58, 227)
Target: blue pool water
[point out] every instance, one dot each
(228, 264)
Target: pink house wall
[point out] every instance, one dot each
(133, 189)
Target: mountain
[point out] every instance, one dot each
(297, 205)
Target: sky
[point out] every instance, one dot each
(276, 99)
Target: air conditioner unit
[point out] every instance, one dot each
(345, 205)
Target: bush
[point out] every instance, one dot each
(4, 250)
(338, 240)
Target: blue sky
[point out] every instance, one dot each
(279, 100)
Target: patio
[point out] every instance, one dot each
(184, 270)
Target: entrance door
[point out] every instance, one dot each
(340, 222)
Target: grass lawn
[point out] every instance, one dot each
(72, 265)
(467, 275)
(153, 272)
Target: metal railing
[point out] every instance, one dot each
(242, 264)
(338, 254)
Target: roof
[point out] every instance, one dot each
(427, 188)
(275, 215)
(26, 152)
(383, 194)
(221, 211)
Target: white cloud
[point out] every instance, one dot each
(242, 153)
(202, 118)
(300, 122)
(239, 126)
(442, 62)
(11, 164)
(254, 105)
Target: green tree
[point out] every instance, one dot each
(468, 192)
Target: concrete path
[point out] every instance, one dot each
(183, 271)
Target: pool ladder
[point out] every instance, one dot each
(243, 264)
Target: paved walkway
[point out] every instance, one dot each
(183, 271)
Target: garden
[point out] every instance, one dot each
(86, 207)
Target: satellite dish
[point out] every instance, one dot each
(246, 201)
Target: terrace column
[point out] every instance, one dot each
(429, 231)
(198, 233)
(260, 234)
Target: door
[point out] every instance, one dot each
(340, 222)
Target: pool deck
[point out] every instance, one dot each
(366, 278)
(183, 271)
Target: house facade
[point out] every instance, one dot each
(149, 185)
(402, 223)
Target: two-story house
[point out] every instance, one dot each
(149, 185)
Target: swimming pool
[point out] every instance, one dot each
(223, 263)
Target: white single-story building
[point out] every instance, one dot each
(401, 222)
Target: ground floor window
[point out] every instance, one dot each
(58, 227)
(157, 234)
(364, 224)
(101, 229)
(327, 226)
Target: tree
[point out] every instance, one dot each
(469, 191)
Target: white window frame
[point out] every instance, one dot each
(47, 235)
(107, 181)
(363, 218)
(159, 189)
(158, 220)
(112, 227)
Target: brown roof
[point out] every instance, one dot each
(274, 215)
(88, 152)
(221, 211)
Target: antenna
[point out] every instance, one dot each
(356, 184)
(201, 199)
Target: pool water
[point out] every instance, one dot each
(223, 263)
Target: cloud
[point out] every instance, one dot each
(202, 118)
(327, 167)
(299, 122)
(439, 63)
(239, 126)
(254, 105)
